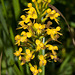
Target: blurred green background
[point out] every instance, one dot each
(10, 11)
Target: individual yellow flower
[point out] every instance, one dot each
(29, 55)
(40, 45)
(54, 57)
(25, 19)
(53, 32)
(42, 60)
(32, 13)
(18, 53)
(52, 48)
(52, 14)
(23, 36)
(29, 34)
(34, 70)
(39, 27)
(22, 25)
(17, 38)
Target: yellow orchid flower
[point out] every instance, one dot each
(29, 55)
(40, 45)
(34, 70)
(42, 60)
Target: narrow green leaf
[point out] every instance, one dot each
(16, 7)
(17, 70)
(12, 35)
(4, 9)
(14, 72)
(1, 44)
(10, 60)
(27, 69)
(21, 67)
(3, 22)
(0, 61)
(3, 65)
(65, 62)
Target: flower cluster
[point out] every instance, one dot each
(35, 30)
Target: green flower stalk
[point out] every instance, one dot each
(33, 36)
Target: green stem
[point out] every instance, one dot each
(42, 53)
